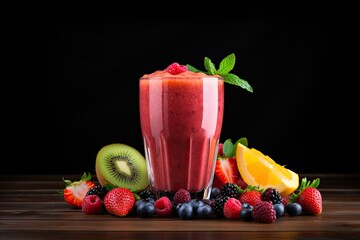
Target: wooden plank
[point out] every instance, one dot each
(176, 225)
(32, 208)
(163, 235)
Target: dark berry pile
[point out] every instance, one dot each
(227, 202)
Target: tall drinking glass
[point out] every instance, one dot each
(181, 119)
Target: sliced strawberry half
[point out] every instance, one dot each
(226, 170)
(75, 192)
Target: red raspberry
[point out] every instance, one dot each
(232, 208)
(91, 204)
(264, 212)
(176, 68)
(163, 207)
(182, 196)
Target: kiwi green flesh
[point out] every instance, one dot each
(122, 166)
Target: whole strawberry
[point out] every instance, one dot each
(251, 195)
(264, 212)
(309, 197)
(119, 201)
(75, 192)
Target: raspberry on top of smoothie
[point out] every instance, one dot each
(176, 68)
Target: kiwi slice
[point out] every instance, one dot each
(122, 166)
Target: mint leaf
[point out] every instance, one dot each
(243, 141)
(229, 149)
(227, 64)
(192, 69)
(235, 80)
(209, 66)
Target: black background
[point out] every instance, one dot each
(77, 84)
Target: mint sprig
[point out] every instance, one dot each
(229, 148)
(225, 66)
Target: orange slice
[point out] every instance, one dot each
(258, 169)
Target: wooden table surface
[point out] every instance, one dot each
(32, 208)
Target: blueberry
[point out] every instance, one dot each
(204, 211)
(245, 213)
(279, 209)
(185, 211)
(294, 209)
(245, 205)
(146, 209)
(196, 203)
(138, 202)
(214, 192)
(142, 200)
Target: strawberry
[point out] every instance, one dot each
(226, 169)
(75, 192)
(251, 195)
(217, 183)
(119, 201)
(309, 197)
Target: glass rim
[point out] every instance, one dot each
(181, 78)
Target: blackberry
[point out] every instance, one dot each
(230, 190)
(147, 193)
(271, 194)
(99, 190)
(219, 205)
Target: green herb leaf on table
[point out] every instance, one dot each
(225, 66)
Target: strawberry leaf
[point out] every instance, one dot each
(303, 185)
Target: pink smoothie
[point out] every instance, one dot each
(181, 119)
